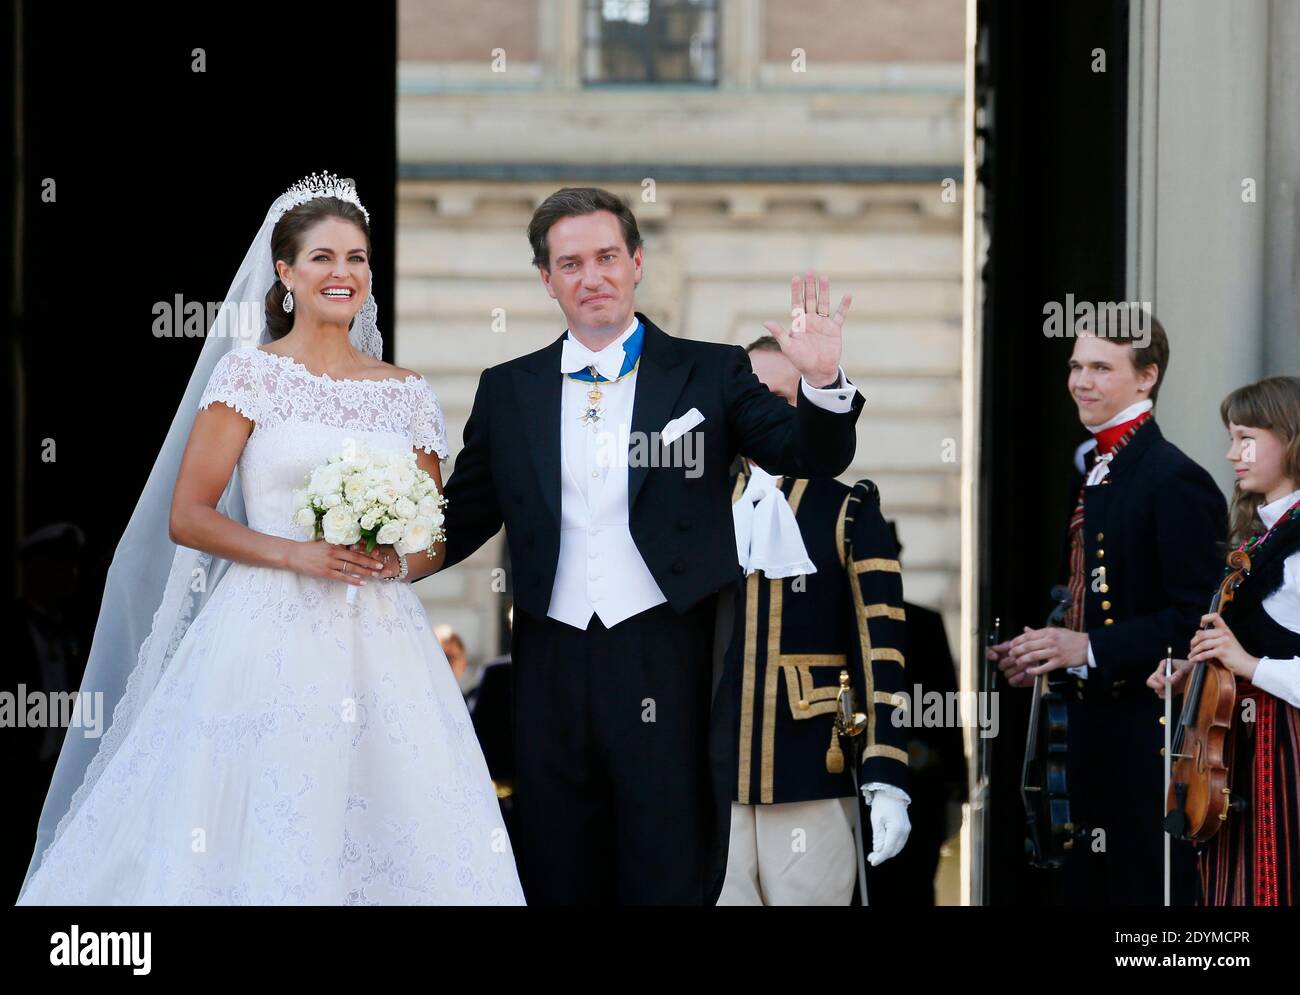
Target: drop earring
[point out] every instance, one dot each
(287, 303)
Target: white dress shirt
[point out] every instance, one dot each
(600, 570)
(1281, 678)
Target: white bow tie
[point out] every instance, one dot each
(576, 356)
(767, 533)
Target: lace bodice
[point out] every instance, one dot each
(301, 419)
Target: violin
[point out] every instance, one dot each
(1199, 797)
(1044, 789)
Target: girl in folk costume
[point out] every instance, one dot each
(1255, 858)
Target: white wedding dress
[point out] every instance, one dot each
(297, 749)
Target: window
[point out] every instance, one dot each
(651, 41)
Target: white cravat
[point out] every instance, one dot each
(767, 534)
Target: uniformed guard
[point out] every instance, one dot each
(822, 594)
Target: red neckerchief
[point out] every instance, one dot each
(1107, 437)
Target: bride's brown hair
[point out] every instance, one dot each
(286, 243)
(1273, 404)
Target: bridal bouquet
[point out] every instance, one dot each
(380, 496)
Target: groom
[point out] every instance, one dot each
(620, 534)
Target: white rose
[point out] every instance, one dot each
(416, 536)
(305, 518)
(340, 527)
(405, 507)
(331, 501)
(354, 488)
(389, 534)
(385, 494)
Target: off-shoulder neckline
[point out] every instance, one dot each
(289, 360)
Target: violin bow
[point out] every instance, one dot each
(1169, 753)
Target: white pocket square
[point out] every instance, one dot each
(678, 427)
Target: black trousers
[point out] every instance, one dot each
(1116, 778)
(614, 799)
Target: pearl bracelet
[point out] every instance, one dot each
(402, 571)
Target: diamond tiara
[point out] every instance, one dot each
(324, 184)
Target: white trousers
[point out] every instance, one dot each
(797, 853)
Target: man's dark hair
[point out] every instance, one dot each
(572, 202)
(1154, 353)
(763, 342)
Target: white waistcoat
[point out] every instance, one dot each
(600, 569)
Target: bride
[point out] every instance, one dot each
(274, 741)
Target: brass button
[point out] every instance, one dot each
(803, 705)
(1105, 606)
(1101, 536)
(1105, 588)
(1101, 553)
(1110, 621)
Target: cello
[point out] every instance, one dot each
(1199, 797)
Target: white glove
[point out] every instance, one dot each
(890, 825)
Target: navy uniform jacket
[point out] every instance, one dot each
(788, 646)
(1152, 531)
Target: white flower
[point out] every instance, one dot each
(305, 517)
(390, 533)
(416, 536)
(340, 526)
(354, 488)
(405, 507)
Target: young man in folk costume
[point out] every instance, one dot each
(617, 557)
(822, 594)
(1145, 554)
(1254, 858)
